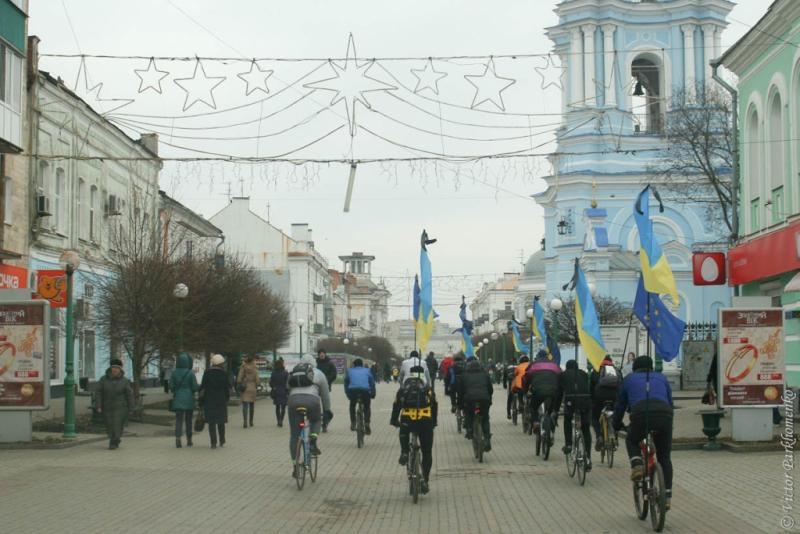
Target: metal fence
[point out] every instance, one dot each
(700, 332)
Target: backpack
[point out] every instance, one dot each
(302, 376)
(609, 377)
(414, 394)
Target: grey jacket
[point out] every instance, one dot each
(319, 389)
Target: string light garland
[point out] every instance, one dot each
(428, 78)
(489, 86)
(255, 78)
(150, 78)
(199, 88)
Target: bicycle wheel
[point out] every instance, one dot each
(313, 461)
(514, 411)
(640, 499)
(611, 446)
(416, 475)
(657, 499)
(545, 431)
(300, 464)
(580, 458)
(359, 425)
(538, 443)
(604, 434)
(477, 438)
(459, 420)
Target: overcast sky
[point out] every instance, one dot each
(482, 213)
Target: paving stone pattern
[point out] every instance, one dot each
(150, 486)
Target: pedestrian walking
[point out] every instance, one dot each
(184, 385)
(114, 401)
(433, 365)
(167, 364)
(247, 386)
(279, 390)
(215, 393)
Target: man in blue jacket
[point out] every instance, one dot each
(359, 384)
(648, 396)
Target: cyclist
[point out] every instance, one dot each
(328, 368)
(359, 384)
(308, 388)
(414, 360)
(648, 396)
(574, 385)
(605, 383)
(455, 375)
(508, 378)
(542, 378)
(433, 366)
(519, 375)
(415, 410)
(476, 390)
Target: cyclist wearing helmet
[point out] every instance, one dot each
(542, 377)
(648, 396)
(508, 378)
(476, 389)
(519, 374)
(575, 387)
(415, 410)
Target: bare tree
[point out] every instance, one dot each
(610, 311)
(382, 349)
(697, 166)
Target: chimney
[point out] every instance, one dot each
(150, 142)
(32, 67)
(300, 232)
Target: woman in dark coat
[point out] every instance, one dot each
(114, 401)
(215, 392)
(183, 385)
(280, 392)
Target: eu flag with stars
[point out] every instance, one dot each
(665, 329)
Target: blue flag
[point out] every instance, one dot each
(537, 323)
(519, 345)
(416, 300)
(466, 331)
(665, 329)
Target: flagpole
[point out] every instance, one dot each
(627, 336)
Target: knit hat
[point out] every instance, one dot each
(217, 360)
(643, 363)
(541, 355)
(572, 364)
(116, 362)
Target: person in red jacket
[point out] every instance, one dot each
(444, 367)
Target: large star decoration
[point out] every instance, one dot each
(552, 73)
(350, 81)
(489, 86)
(256, 78)
(150, 78)
(199, 88)
(91, 95)
(428, 78)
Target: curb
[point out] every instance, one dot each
(43, 445)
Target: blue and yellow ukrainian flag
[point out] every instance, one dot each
(658, 277)
(425, 315)
(466, 332)
(519, 345)
(587, 321)
(537, 323)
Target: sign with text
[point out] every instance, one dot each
(24, 373)
(752, 361)
(620, 340)
(13, 277)
(51, 285)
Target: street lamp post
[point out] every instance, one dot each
(300, 323)
(69, 261)
(494, 337)
(485, 344)
(181, 291)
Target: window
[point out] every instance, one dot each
(3, 52)
(59, 217)
(507, 305)
(755, 224)
(778, 213)
(42, 177)
(777, 160)
(8, 192)
(81, 217)
(189, 249)
(86, 359)
(93, 214)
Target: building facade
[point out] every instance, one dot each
(185, 233)
(402, 335)
(366, 302)
(493, 306)
(625, 61)
(766, 261)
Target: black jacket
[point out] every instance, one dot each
(476, 385)
(328, 369)
(215, 392)
(430, 361)
(575, 387)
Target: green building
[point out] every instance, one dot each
(766, 260)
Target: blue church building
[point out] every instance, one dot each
(626, 61)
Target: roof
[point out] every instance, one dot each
(535, 264)
(199, 218)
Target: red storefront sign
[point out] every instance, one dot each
(13, 277)
(763, 257)
(52, 285)
(708, 268)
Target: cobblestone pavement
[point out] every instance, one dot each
(150, 486)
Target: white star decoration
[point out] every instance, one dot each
(552, 73)
(199, 88)
(91, 95)
(150, 78)
(489, 86)
(350, 82)
(255, 78)
(428, 78)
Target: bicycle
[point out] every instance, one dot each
(477, 434)
(304, 461)
(360, 424)
(414, 468)
(514, 407)
(650, 492)
(544, 439)
(608, 434)
(459, 419)
(576, 459)
(527, 416)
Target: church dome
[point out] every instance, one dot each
(535, 265)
